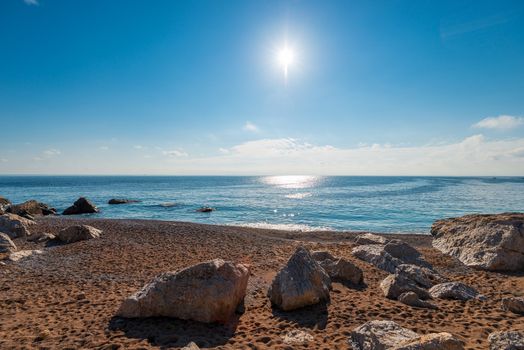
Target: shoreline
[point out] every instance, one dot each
(68, 295)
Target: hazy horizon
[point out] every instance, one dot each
(253, 88)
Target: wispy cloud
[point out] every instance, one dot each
(138, 147)
(31, 2)
(51, 152)
(251, 127)
(502, 122)
(175, 153)
(3, 160)
(103, 148)
(450, 30)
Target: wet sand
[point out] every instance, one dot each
(67, 297)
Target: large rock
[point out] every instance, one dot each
(78, 233)
(31, 207)
(388, 335)
(454, 290)
(423, 276)
(338, 269)
(6, 245)
(412, 299)
(377, 256)
(512, 340)
(207, 292)
(403, 251)
(15, 226)
(491, 242)
(81, 206)
(513, 304)
(300, 283)
(394, 285)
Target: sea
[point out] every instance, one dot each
(388, 204)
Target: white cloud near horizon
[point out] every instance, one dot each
(176, 153)
(248, 126)
(474, 155)
(502, 122)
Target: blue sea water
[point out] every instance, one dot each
(381, 204)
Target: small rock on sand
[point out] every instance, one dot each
(78, 233)
(412, 299)
(206, 292)
(394, 285)
(377, 256)
(297, 337)
(191, 346)
(423, 276)
(454, 290)
(300, 283)
(22, 254)
(6, 245)
(338, 268)
(388, 335)
(511, 340)
(513, 304)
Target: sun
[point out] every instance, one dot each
(285, 58)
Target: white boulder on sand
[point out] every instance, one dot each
(511, 340)
(15, 226)
(388, 335)
(206, 292)
(300, 283)
(490, 242)
(338, 268)
(454, 290)
(78, 233)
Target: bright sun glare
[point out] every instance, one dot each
(286, 57)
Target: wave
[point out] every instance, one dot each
(286, 227)
(298, 195)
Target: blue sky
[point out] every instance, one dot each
(194, 87)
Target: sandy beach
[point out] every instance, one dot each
(67, 296)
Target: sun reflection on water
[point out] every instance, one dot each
(292, 181)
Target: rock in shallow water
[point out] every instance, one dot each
(121, 201)
(81, 206)
(490, 242)
(31, 207)
(207, 292)
(300, 283)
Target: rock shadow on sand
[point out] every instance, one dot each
(166, 332)
(313, 316)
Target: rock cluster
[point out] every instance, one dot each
(207, 292)
(81, 206)
(31, 208)
(492, 242)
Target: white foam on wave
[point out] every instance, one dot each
(298, 195)
(286, 227)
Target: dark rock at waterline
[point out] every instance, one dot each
(121, 201)
(81, 206)
(205, 210)
(30, 208)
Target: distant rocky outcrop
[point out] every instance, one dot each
(15, 226)
(388, 335)
(30, 208)
(300, 283)
(78, 233)
(511, 340)
(339, 268)
(121, 201)
(207, 292)
(454, 290)
(490, 242)
(513, 304)
(6, 246)
(81, 206)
